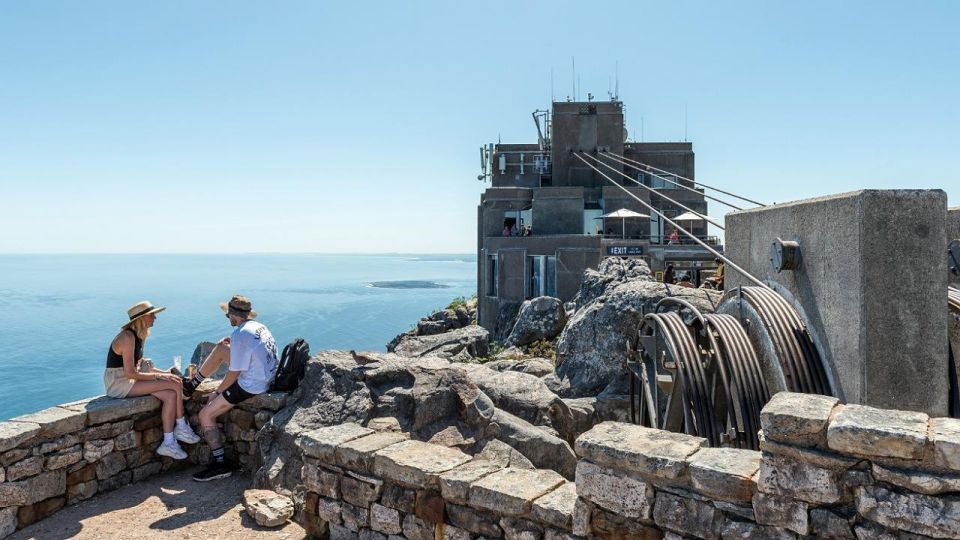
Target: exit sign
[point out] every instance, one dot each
(624, 250)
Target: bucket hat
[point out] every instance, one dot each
(141, 309)
(239, 305)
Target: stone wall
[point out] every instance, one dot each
(825, 470)
(70, 452)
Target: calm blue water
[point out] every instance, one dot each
(58, 313)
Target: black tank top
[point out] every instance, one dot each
(115, 360)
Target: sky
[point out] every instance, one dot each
(355, 127)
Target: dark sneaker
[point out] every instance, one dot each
(214, 472)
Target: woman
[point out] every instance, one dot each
(128, 376)
(668, 275)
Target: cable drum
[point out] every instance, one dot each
(788, 358)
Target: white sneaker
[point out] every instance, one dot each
(185, 435)
(172, 451)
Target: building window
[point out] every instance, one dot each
(592, 224)
(543, 276)
(492, 275)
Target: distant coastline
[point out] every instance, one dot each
(409, 284)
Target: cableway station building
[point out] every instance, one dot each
(541, 222)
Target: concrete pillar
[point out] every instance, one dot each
(872, 283)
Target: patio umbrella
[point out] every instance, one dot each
(623, 214)
(688, 216)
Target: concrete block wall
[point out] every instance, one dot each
(68, 453)
(825, 470)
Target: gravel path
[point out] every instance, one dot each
(166, 506)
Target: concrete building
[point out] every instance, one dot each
(539, 224)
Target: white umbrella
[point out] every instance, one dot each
(623, 214)
(688, 216)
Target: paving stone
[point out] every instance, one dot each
(110, 465)
(821, 458)
(359, 492)
(34, 489)
(825, 523)
(59, 444)
(638, 449)
(81, 492)
(616, 492)
(338, 532)
(736, 510)
(63, 458)
(110, 430)
(103, 409)
(779, 512)
(267, 508)
(520, 529)
(868, 431)
(945, 434)
(55, 421)
(416, 464)
(358, 453)
(83, 474)
(125, 441)
(473, 520)
(742, 530)
(512, 491)
(455, 483)
(797, 419)
(96, 449)
(385, 520)
(13, 456)
(271, 401)
(582, 512)
(399, 498)
(28, 515)
(415, 528)
(320, 481)
(454, 533)
(556, 508)
(687, 516)
(25, 468)
(116, 481)
(13, 434)
(725, 473)
(354, 517)
(430, 506)
(921, 514)
(8, 521)
(322, 443)
(329, 510)
(924, 482)
(607, 525)
(780, 475)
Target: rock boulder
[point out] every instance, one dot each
(539, 318)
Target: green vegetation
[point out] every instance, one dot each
(461, 301)
(543, 348)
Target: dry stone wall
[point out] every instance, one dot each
(825, 470)
(71, 452)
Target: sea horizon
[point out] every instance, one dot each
(59, 311)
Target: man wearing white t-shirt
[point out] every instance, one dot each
(252, 355)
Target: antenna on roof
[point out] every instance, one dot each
(616, 91)
(552, 97)
(573, 76)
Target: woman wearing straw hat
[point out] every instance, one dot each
(128, 376)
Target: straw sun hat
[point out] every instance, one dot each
(141, 309)
(239, 305)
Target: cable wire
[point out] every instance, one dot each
(655, 192)
(716, 253)
(751, 201)
(665, 179)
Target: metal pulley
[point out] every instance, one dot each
(784, 255)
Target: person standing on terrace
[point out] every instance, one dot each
(128, 374)
(251, 353)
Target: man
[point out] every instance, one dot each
(252, 356)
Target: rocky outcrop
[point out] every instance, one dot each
(463, 406)
(539, 318)
(444, 320)
(591, 351)
(462, 345)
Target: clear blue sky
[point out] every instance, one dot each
(354, 127)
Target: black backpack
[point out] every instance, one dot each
(293, 364)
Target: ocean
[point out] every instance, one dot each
(58, 313)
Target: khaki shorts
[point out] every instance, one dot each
(117, 385)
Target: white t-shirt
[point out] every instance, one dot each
(253, 352)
